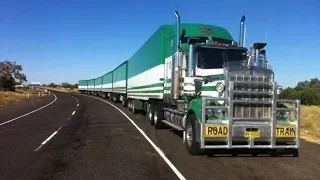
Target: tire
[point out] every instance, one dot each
(133, 109)
(124, 102)
(192, 145)
(157, 117)
(150, 114)
(129, 104)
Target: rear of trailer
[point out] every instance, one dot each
(107, 85)
(97, 86)
(82, 86)
(119, 83)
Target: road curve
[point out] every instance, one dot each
(243, 168)
(21, 137)
(99, 142)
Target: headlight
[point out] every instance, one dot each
(283, 114)
(220, 87)
(218, 112)
(286, 114)
(209, 113)
(215, 112)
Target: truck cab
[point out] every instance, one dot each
(235, 102)
(230, 97)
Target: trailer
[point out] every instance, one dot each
(106, 89)
(98, 86)
(82, 86)
(119, 83)
(197, 79)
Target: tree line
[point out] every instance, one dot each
(62, 85)
(11, 75)
(307, 91)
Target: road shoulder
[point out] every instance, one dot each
(14, 110)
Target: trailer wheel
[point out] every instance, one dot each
(158, 117)
(129, 104)
(124, 102)
(192, 145)
(133, 109)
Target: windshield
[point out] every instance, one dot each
(213, 58)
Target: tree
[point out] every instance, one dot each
(52, 85)
(10, 74)
(307, 91)
(66, 85)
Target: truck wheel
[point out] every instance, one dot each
(192, 145)
(157, 117)
(150, 114)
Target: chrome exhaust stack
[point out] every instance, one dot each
(242, 31)
(175, 70)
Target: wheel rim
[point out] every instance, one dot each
(150, 115)
(189, 135)
(155, 117)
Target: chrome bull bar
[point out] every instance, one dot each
(229, 122)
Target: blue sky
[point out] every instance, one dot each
(67, 40)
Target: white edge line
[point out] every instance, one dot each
(48, 139)
(73, 113)
(175, 170)
(55, 98)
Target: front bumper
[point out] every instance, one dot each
(246, 132)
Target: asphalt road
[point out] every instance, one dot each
(99, 142)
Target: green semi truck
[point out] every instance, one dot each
(197, 79)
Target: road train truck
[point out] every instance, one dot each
(196, 79)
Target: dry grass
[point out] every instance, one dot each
(7, 97)
(64, 90)
(310, 122)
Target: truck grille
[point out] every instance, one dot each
(257, 88)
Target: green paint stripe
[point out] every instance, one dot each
(150, 91)
(208, 88)
(147, 86)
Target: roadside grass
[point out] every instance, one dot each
(8, 97)
(64, 90)
(310, 123)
